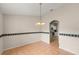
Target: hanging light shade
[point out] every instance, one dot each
(40, 22)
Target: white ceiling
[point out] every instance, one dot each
(31, 9)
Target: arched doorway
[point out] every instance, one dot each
(54, 35)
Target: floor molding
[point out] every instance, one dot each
(20, 45)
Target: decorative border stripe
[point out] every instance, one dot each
(71, 35)
(12, 34)
(62, 34)
(1, 36)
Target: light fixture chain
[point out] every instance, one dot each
(40, 13)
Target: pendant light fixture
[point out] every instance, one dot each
(40, 23)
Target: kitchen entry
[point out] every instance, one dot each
(54, 38)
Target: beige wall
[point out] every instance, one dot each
(1, 31)
(68, 17)
(20, 24)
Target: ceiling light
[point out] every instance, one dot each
(40, 22)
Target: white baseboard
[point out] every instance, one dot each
(20, 45)
(68, 50)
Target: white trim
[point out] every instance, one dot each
(68, 50)
(20, 45)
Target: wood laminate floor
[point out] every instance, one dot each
(37, 48)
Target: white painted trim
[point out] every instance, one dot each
(68, 50)
(21, 45)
